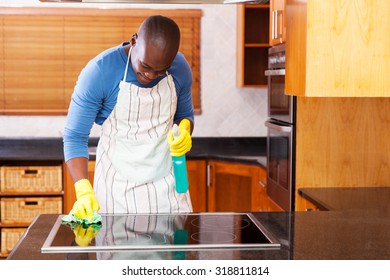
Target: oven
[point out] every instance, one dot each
(281, 133)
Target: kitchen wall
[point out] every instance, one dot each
(227, 111)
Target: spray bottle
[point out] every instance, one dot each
(179, 167)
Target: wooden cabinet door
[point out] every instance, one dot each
(196, 170)
(232, 187)
(277, 18)
(335, 50)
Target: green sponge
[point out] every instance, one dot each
(71, 218)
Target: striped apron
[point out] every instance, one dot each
(133, 172)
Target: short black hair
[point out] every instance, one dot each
(161, 31)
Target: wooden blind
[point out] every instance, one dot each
(42, 51)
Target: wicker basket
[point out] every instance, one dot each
(31, 179)
(25, 209)
(9, 238)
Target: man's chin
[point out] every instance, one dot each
(143, 80)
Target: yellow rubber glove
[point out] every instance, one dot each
(84, 236)
(183, 143)
(86, 200)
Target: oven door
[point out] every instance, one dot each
(279, 104)
(280, 163)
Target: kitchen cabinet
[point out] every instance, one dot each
(342, 142)
(237, 187)
(277, 22)
(196, 172)
(252, 45)
(306, 205)
(338, 48)
(25, 192)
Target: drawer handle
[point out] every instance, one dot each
(31, 203)
(28, 173)
(34, 204)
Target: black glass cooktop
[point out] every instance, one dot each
(161, 232)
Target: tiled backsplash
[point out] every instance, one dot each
(227, 111)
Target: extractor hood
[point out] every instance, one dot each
(162, 1)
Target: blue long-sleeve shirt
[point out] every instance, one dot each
(96, 91)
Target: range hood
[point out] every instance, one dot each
(162, 1)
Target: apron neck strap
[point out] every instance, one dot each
(127, 64)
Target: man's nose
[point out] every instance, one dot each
(151, 75)
(154, 74)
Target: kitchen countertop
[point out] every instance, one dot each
(357, 228)
(316, 235)
(352, 198)
(250, 150)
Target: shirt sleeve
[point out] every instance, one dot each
(85, 104)
(185, 107)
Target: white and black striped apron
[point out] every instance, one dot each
(133, 172)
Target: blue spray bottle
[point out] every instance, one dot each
(179, 167)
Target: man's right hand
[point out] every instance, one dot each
(86, 202)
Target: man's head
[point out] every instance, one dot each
(155, 46)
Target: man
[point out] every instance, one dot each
(135, 91)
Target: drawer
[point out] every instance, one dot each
(25, 209)
(9, 238)
(31, 179)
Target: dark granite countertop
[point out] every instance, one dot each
(250, 150)
(316, 235)
(45, 149)
(348, 198)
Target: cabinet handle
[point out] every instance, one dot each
(273, 25)
(277, 30)
(276, 25)
(208, 175)
(262, 184)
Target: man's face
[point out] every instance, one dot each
(149, 61)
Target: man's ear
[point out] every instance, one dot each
(133, 39)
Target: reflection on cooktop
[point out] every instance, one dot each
(164, 232)
(218, 222)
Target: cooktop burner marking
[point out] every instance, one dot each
(211, 237)
(219, 222)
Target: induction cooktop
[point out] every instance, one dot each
(194, 231)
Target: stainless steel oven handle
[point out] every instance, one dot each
(277, 127)
(278, 72)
